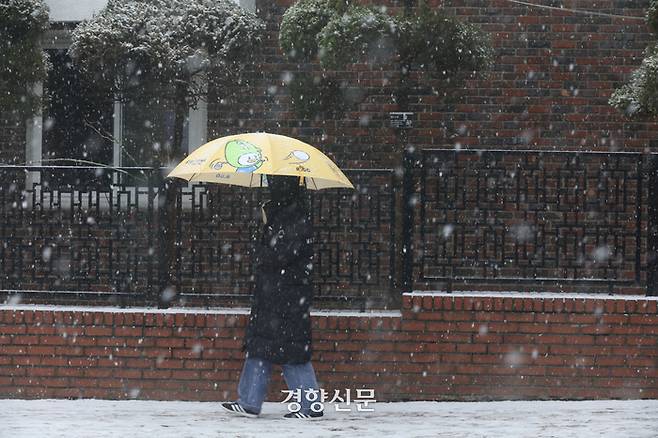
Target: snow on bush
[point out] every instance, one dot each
(357, 33)
(301, 24)
(338, 33)
(341, 33)
(442, 44)
(22, 23)
(640, 95)
(168, 42)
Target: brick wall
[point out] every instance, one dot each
(554, 72)
(440, 346)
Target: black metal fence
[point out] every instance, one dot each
(470, 219)
(80, 233)
(517, 219)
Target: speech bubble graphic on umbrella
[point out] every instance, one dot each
(298, 157)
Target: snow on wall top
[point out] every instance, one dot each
(191, 310)
(517, 294)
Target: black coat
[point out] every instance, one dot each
(279, 328)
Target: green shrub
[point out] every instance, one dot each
(22, 23)
(354, 36)
(300, 26)
(337, 33)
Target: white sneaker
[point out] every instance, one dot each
(310, 416)
(237, 408)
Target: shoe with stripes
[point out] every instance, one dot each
(310, 416)
(237, 408)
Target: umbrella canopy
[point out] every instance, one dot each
(244, 159)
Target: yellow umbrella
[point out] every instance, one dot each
(243, 159)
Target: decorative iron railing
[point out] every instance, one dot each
(480, 219)
(73, 233)
(515, 218)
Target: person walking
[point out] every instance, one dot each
(279, 328)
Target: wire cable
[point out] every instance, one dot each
(577, 11)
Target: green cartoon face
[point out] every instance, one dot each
(243, 155)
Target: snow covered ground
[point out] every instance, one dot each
(509, 419)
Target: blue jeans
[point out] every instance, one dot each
(255, 379)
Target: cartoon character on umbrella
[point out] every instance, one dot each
(244, 156)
